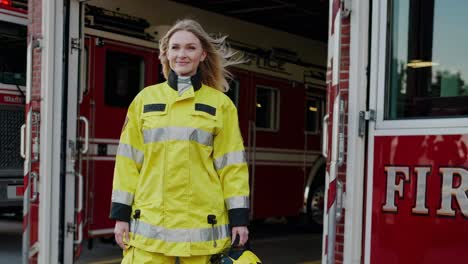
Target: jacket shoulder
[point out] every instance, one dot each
(220, 97)
(150, 89)
(150, 92)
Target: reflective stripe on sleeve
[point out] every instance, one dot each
(237, 202)
(130, 152)
(230, 158)
(179, 235)
(122, 197)
(178, 133)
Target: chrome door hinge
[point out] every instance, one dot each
(37, 43)
(75, 44)
(363, 117)
(345, 8)
(71, 227)
(99, 42)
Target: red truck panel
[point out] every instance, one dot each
(406, 235)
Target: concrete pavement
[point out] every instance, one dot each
(273, 243)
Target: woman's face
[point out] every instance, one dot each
(185, 53)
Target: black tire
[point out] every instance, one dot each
(316, 201)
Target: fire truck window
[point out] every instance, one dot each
(233, 92)
(427, 65)
(125, 77)
(12, 53)
(313, 115)
(267, 108)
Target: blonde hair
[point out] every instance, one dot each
(218, 55)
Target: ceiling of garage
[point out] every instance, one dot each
(307, 18)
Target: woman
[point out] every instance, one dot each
(181, 177)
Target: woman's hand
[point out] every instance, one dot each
(121, 230)
(243, 233)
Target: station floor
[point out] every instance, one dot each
(274, 243)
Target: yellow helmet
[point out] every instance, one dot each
(248, 257)
(245, 257)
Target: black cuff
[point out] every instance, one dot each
(121, 212)
(239, 217)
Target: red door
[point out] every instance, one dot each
(117, 72)
(417, 205)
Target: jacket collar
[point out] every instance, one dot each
(195, 79)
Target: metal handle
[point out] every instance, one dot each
(325, 136)
(341, 132)
(79, 209)
(33, 184)
(339, 200)
(35, 116)
(22, 145)
(84, 150)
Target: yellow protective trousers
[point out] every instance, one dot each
(134, 255)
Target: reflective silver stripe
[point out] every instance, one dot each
(230, 158)
(130, 152)
(122, 197)
(179, 235)
(178, 133)
(237, 202)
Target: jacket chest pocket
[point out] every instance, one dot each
(205, 117)
(154, 115)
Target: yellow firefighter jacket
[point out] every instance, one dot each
(181, 178)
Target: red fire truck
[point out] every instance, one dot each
(13, 31)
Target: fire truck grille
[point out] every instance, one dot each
(11, 119)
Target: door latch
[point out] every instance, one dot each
(75, 44)
(71, 227)
(363, 117)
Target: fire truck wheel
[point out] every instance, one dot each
(315, 202)
(316, 205)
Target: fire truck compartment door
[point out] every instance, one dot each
(417, 164)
